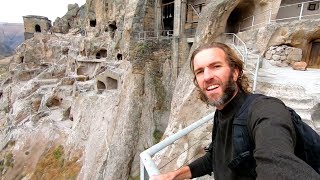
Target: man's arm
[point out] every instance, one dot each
(274, 136)
(183, 173)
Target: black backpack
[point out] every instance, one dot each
(307, 142)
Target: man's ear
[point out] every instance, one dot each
(235, 74)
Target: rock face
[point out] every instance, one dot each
(284, 55)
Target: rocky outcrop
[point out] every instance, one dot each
(74, 18)
(284, 55)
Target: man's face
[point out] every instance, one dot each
(214, 76)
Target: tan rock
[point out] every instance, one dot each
(301, 66)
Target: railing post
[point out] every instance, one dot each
(252, 22)
(270, 14)
(300, 15)
(143, 173)
(233, 39)
(256, 75)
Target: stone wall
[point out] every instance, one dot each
(30, 23)
(283, 56)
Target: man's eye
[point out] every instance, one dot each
(199, 72)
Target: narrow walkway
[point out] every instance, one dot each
(309, 79)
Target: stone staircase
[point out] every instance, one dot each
(299, 90)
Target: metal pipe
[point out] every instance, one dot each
(256, 75)
(145, 156)
(301, 10)
(194, 10)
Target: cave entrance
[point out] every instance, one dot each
(37, 28)
(102, 53)
(167, 8)
(236, 21)
(101, 86)
(93, 23)
(314, 57)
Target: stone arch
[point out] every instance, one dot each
(37, 28)
(102, 53)
(242, 10)
(107, 80)
(101, 86)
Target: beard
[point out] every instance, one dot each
(228, 92)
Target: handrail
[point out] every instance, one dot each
(244, 56)
(145, 35)
(146, 162)
(244, 44)
(198, 14)
(299, 17)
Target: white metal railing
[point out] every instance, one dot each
(148, 166)
(296, 11)
(239, 45)
(146, 35)
(197, 13)
(242, 50)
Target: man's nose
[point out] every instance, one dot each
(207, 74)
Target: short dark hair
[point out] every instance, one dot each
(233, 60)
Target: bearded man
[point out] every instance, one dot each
(218, 75)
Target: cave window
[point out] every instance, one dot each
(100, 86)
(37, 28)
(113, 25)
(22, 59)
(112, 83)
(102, 53)
(119, 56)
(65, 51)
(93, 23)
(313, 6)
(98, 55)
(167, 14)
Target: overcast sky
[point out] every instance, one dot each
(12, 10)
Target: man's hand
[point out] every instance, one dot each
(167, 176)
(180, 174)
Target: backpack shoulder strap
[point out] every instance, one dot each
(243, 162)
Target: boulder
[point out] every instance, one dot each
(301, 66)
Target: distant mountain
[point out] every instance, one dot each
(11, 36)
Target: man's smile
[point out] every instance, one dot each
(212, 87)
